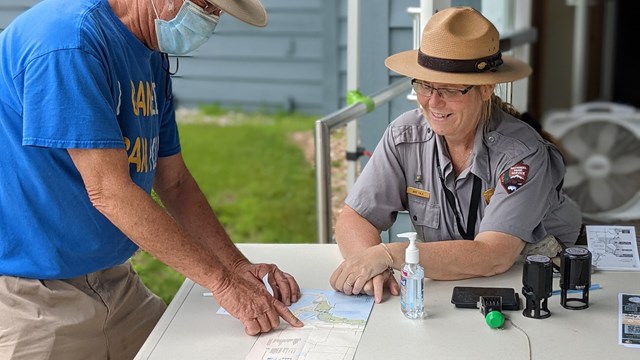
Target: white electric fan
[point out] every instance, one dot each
(602, 141)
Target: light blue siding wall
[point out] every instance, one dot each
(292, 64)
(341, 67)
(386, 28)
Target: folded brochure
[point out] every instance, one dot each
(629, 320)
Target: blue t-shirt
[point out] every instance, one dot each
(73, 76)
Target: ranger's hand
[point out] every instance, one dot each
(378, 283)
(352, 274)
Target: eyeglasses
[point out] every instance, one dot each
(447, 94)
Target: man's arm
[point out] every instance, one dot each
(183, 199)
(105, 173)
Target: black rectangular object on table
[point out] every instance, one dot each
(469, 296)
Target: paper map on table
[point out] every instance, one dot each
(613, 247)
(333, 325)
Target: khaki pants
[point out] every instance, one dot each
(105, 315)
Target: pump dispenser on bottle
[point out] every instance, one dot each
(412, 275)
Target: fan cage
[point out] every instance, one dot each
(561, 123)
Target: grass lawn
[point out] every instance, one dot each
(255, 178)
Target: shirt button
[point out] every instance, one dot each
(429, 131)
(492, 139)
(415, 218)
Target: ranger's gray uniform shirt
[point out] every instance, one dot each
(520, 172)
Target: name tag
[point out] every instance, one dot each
(418, 192)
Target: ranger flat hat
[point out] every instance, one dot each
(459, 46)
(249, 11)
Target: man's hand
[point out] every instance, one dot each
(285, 287)
(253, 305)
(352, 274)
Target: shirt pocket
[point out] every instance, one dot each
(424, 213)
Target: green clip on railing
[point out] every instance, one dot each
(355, 96)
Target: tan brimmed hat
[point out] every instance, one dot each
(459, 46)
(250, 11)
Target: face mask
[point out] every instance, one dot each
(187, 31)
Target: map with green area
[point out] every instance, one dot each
(333, 325)
(328, 307)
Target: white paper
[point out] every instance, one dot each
(613, 247)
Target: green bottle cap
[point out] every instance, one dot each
(495, 319)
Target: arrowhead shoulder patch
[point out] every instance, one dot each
(515, 177)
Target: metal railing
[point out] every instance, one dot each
(323, 129)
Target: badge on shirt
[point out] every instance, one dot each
(488, 194)
(418, 192)
(515, 177)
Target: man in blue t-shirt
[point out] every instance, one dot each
(87, 129)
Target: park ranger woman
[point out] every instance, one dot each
(480, 185)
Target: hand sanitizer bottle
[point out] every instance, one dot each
(411, 281)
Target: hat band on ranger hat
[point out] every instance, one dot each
(488, 63)
(459, 46)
